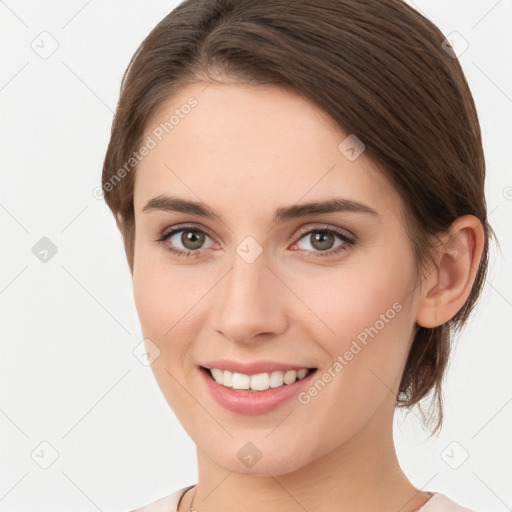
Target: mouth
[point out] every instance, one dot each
(256, 383)
(273, 390)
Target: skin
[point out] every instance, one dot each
(245, 151)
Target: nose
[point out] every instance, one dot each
(250, 302)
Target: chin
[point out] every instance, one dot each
(265, 461)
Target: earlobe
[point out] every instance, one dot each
(449, 284)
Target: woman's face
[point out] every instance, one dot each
(259, 279)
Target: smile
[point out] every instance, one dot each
(258, 382)
(277, 388)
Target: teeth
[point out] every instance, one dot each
(258, 382)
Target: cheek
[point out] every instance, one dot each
(372, 323)
(153, 300)
(366, 319)
(162, 292)
(352, 302)
(167, 318)
(169, 299)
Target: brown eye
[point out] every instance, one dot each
(185, 240)
(192, 239)
(322, 241)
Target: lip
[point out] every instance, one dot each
(252, 368)
(252, 402)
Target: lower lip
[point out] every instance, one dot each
(253, 402)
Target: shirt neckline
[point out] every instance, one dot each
(186, 489)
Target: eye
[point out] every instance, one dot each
(190, 238)
(321, 241)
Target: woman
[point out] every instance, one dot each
(300, 190)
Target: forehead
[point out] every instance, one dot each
(230, 142)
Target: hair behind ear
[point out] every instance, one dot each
(119, 221)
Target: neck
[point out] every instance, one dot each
(361, 474)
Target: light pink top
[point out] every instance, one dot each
(437, 503)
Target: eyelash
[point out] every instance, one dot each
(348, 241)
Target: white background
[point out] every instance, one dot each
(68, 327)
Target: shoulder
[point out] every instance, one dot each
(441, 503)
(165, 504)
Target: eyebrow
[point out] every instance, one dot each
(332, 205)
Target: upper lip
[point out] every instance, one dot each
(252, 368)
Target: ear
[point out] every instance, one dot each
(447, 287)
(119, 222)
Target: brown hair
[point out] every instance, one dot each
(379, 69)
